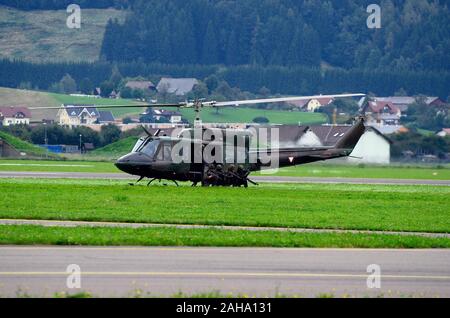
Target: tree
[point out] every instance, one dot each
(68, 84)
(109, 133)
(200, 90)
(126, 92)
(261, 120)
(232, 50)
(264, 92)
(56, 88)
(138, 93)
(86, 86)
(116, 77)
(106, 88)
(209, 54)
(211, 82)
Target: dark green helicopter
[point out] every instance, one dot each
(230, 158)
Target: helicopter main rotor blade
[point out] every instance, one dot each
(198, 104)
(111, 106)
(277, 100)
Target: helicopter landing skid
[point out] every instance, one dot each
(132, 184)
(150, 182)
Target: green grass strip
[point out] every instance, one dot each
(98, 236)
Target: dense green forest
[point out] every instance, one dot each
(414, 33)
(278, 79)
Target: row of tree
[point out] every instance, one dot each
(59, 135)
(432, 118)
(418, 145)
(278, 79)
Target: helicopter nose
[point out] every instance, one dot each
(123, 163)
(131, 163)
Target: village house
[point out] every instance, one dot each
(403, 102)
(161, 116)
(444, 132)
(177, 86)
(311, 105)
(76, 115)
(382, 114)
(145, 86)
(14, 115)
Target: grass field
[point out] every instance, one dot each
(10, 96)
(356, 207)
(352, 207)
(117, 112)
(42, 35)
(57, 165)
(23, 146)
(28, 234)
(309, 170)
(246, 115)
(360, 207)
(441, 172)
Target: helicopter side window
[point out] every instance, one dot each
(165, 152)
(168, 152)
(150, 148)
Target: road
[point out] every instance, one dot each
(127, 271)
(259, 179)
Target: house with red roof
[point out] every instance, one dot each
(311, 105)
(382, 113)
(14, 115)
(444, 132)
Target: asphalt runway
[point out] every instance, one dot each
(130, 271)
(259, 179)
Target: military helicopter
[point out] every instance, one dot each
(152, 156)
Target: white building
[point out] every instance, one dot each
(373, 147)
(14, 115)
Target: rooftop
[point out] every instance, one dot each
(13, 111)
(77, 109)
(178, 86)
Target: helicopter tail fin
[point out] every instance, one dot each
(352, 137)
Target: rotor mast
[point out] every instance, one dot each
(198, 105)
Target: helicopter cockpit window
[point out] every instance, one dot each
(150, 148)
(138, 144)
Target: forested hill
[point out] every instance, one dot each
(287, 46)
(415, 34)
